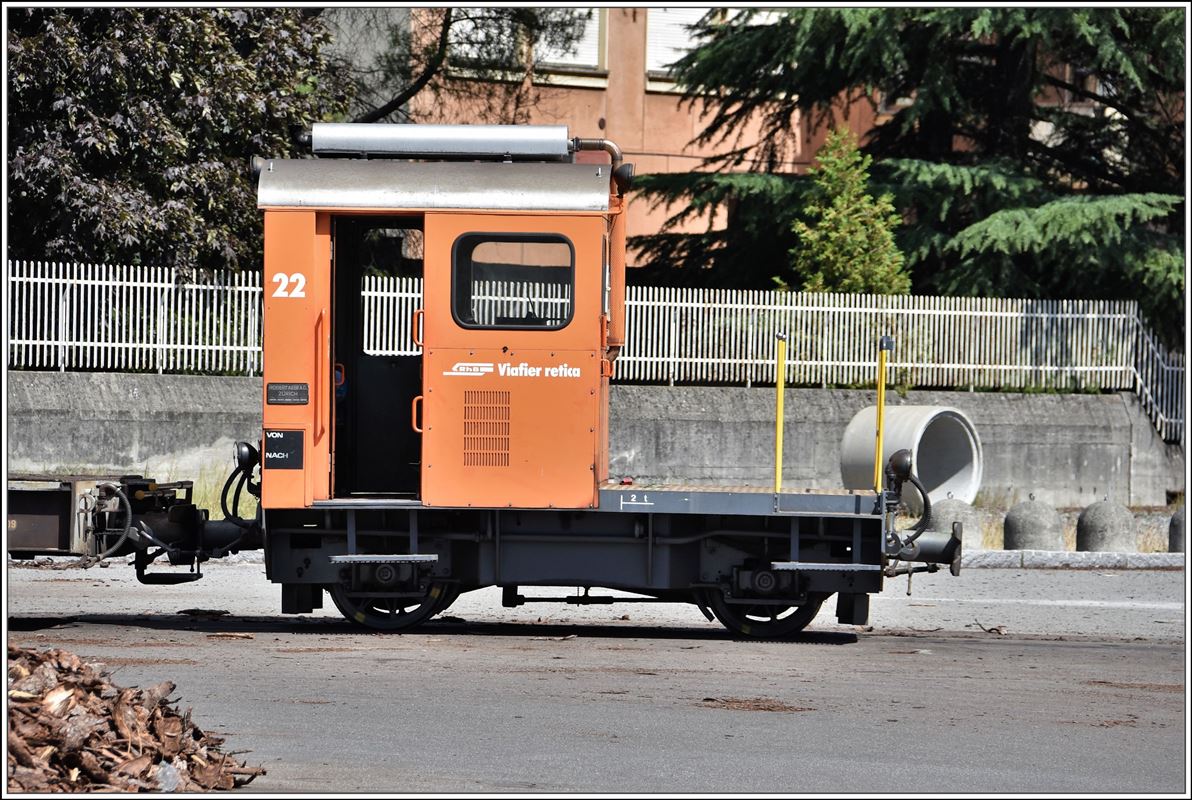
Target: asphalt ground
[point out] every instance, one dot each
(1106, 603)
(998, 680)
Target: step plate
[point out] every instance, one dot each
(409, 558)
(808, 565)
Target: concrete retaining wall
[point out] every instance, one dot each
(170, 427)
(1069, 450)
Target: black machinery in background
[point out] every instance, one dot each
(101, 517)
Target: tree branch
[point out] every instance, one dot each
(1085, 93)
(1084, 168)
(418, 84)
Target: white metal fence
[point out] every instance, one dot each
(684, 335)
(102, 317)
(1159, 383)
(389, 305)
(108, 317)
(711, 335)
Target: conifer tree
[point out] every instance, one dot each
(846, 238)
(1034, 152)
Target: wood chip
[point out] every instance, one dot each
(1000, 630)
(57, 701)
(71, 729)
(135, 766)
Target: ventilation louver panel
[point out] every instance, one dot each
(486, 429)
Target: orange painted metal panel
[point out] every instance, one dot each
(521, 435)
(616, 330)
(296, 342)
(512, 417)
(602, 434)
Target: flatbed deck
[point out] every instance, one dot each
(751, 500)
(661, 498)
(638, 486)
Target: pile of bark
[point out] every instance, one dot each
(71, 729)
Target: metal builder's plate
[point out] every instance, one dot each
(287, 394)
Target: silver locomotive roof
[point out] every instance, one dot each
(513, 142)
(384, 184)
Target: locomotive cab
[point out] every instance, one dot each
(490, 389)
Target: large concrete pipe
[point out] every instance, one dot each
(942, 441)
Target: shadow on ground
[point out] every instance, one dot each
(323, 627)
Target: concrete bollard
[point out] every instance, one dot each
(1106, 526)
(950, 510)
(1032, 525)
(1175, 532)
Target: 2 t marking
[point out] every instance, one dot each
(633, 501)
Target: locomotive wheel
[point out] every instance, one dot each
(763, 621)
(393, 613)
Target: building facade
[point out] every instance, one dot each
(615, 83)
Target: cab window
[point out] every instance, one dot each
(512, 281)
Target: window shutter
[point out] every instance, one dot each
(585, 52)
(667, 36)
(490, 39)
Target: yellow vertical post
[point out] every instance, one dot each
(780, 383)
(886, 345)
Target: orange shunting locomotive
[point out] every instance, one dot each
(471, 448)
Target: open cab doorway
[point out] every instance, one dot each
(377, 269)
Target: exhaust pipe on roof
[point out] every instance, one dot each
(607, 145)
(508, 142)
(622, 174)
(513, 142)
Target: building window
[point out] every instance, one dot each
(668, 36)
(484, 35)
(490, 36)
(586, 53)
(512, 281)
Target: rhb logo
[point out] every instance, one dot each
(470, 368)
